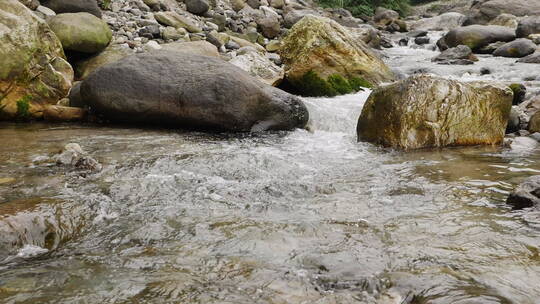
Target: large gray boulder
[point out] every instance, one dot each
(73, 6)
(526, 194)
(528, 26)
(186, 90)
(484, 11)
(425, 111)
(516, 49)
(477, 36)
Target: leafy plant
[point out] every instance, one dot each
(367, 7)
(23, 107)
(105, 4)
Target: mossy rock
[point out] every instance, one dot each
(322, 58)
(311, 84)
(81, 32)
(36, 73)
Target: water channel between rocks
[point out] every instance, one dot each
(290, 217)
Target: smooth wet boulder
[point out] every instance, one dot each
(33, 69)
(81, 32)
(526, 194)
(192, 91)
(460, 54)
(73, 6)
(112, 53)
(322, 58)
(478, 36)
(516, 49)
(425, 111)
(528, 26)
(482, 12)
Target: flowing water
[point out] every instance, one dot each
(286, 217)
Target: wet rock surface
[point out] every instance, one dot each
(173, 88)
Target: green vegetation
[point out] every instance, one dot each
(367, 7)
(105, 4)
(23, 107)
(312, 84)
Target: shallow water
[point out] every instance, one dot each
(286, 217)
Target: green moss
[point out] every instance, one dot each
(358, 83)
(339, 84)
(311, 84)
(23, 107)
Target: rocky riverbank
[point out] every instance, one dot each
(155, 204)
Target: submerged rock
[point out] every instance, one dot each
(177, 89)
(425, 111)
(73, 155)
(527, 194)
(322, 58)
(478, 36)
(33, 69)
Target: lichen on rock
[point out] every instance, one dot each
(36, 70)
(424, 111)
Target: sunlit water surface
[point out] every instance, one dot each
(292, 217)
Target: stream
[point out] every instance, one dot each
(280, 217)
